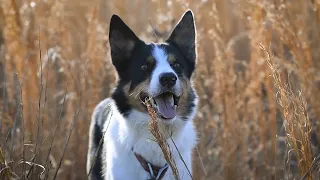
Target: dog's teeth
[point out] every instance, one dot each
(176, 99)
(171, 100)
(154, 104)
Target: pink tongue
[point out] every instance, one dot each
(165, 108)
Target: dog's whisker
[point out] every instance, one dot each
(136, 92)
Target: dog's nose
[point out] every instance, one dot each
(168, 79)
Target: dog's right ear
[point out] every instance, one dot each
(122, 42)
(183, 36)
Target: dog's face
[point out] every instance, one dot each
(159, 71)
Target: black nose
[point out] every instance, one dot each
(168, 79)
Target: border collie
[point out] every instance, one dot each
(121, 146)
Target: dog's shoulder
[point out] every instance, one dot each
(102, 112)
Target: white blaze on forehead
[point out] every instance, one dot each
(161, 57)
(159, 54)
(162, 66)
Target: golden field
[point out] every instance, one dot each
(257, 77)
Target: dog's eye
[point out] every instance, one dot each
(144, 67)
(176, 65)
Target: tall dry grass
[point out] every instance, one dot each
(259, 108)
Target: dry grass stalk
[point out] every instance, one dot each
(154, 129)
(17, 54)
(5, 170)
(297, 124)
(225, 95)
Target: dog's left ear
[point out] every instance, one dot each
(183, 36)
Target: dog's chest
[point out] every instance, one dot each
(123, 141)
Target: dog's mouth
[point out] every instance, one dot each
(165, 104)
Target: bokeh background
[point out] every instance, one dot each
(258, 79)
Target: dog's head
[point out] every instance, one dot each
(161, 71)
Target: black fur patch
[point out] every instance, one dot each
(191, 98)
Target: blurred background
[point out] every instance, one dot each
(257, 76)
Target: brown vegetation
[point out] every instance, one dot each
(257, 78)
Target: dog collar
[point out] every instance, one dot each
(155, 172)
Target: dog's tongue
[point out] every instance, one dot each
(166, 106)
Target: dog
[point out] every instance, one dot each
(121, 146)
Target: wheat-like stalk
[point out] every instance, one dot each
(154, 129)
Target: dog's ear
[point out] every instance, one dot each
(183, 36)
(122, 42)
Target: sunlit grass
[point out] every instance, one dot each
(258, 109)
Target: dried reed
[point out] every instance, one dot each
(297, 122)
(159, 137)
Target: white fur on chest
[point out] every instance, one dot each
(124, 136)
